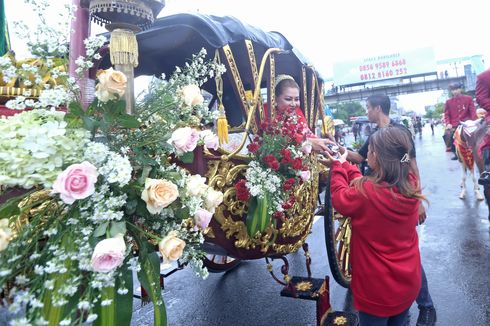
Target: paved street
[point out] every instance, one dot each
(455, 248)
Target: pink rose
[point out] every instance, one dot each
(184, 139)
(305, 175)
(202, 218)
(306, 147)
(210, 140)
(108, 254)
(76, 182)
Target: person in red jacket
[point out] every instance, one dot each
(457, 109)
(385, 257)
(483, 99)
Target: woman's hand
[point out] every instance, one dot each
(340, 155)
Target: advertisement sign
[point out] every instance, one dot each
(394, 65)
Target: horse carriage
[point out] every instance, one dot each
(252, 59)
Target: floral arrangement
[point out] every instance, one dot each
(104, 197)
(280, 163)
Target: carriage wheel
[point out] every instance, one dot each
(337, 239)
(219, 264)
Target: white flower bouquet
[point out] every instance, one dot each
(105, 200)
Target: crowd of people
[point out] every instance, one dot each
(387, 274)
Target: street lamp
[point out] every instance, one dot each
(124, 18)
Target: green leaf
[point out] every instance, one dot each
(117, 228)
(182, 213)
(76, 109)
(149, 276)
(90, 124)
(131, 206)
(121, 309)
(258, 217)
(119, 107)
(187, 157)
(127, 121)
(11, 206)
(100, 230)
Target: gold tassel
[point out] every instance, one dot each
(123, 47)
(222, 126)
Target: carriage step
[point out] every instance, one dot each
(317, 289)
(341, 318)
(305, 288)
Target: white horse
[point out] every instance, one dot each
(464, 152)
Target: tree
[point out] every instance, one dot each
(435, 113)
(346, 110)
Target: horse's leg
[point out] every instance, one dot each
(462, 194)
(476, 187)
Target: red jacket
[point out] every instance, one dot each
(483, 90)
(459, 108)
(385, 257)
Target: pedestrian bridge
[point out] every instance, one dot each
(414, 84)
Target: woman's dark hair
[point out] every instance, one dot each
(382, 100)
(392, 146)
(283, 84)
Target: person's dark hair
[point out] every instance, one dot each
(392, 146)
(283, 84)
(382, 100)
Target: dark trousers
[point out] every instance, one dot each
(366, 319)
(424, 299)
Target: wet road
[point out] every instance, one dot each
(455, 248)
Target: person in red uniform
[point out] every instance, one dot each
(483, 99)
(386, 268)
(458, 108)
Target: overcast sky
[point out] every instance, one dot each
(337, 30)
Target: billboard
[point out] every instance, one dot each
(394, 65)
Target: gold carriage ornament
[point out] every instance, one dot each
(124, 18)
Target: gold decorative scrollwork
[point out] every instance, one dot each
(31, 205)
(230, 214)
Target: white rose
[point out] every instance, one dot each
(213, 199)
(192, 95)
(196, 185)
(171, 247)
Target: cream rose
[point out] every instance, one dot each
(196, 185)
(213, 199)
(108, 254)
(5, 234)
(111, 83)
(158, 194)
(192, 95)
(171, 247)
